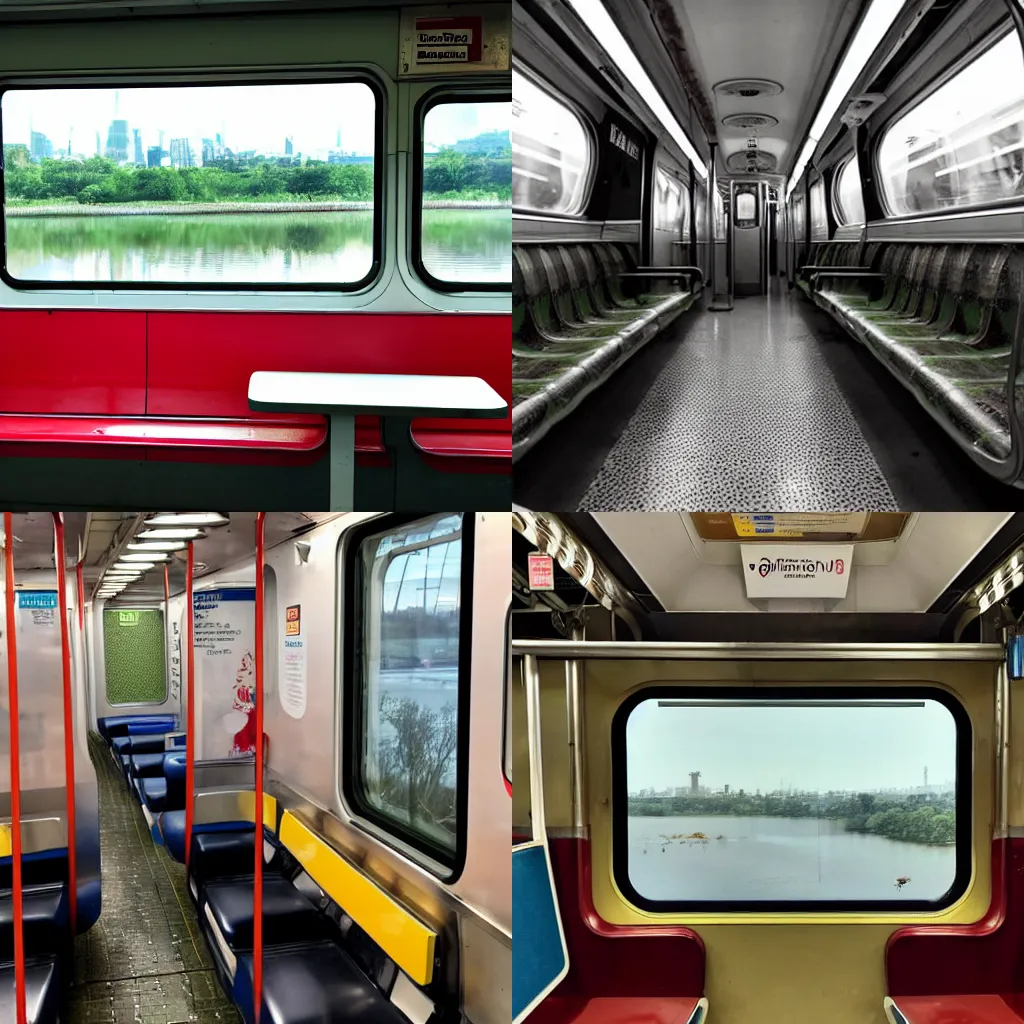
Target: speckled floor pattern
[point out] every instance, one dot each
(145, 959)
(745, 416)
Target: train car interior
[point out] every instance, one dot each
(242, 775)
(252, 246)
(769, 767)
(767, 255)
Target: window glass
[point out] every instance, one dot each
(671, 200)
(134, 658)
(819, 218)
(466, 213)
(551, 151)
(719, 217)
(849, 201)
(407, 675)
(964, 143)
(700, 211)
(746, 207)
(799, 219)
(782, 799)
(194, 185)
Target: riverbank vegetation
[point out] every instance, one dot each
(448, 175)
(913, 818)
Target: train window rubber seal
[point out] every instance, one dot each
(964, 801)
(97, 81)
(353, 725)
(435, 98)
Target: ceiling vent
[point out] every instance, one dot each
(747, 88)
(750, 121)
(751, 161)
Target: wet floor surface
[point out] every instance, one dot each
(769, 406)
(145, 959)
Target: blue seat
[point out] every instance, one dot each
(317, 983)
(147, 765)
(117, 725)
(172, 828)
(121, 745)
(150, 727)
(42, 991)
(219, 855)
(288, 916)
(153, 792)
(44, 921)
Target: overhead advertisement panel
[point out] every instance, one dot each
(446, 39)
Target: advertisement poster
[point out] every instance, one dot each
(293, 663)
(224, 633)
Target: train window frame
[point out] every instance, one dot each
(593, 153)
(682, 228)
(445, 864)
(839, 211)
(963, 870)
(975, 52)
(364, 76)
(429, 100)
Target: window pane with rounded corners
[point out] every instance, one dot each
(819, 800)
(212, 184)
(849, 200)
(466, 225)
(670, 203)
(551, 151)
(963, 145)
(819, 219)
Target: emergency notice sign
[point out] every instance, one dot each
(541, 572)
(474, 38)
(448, 40)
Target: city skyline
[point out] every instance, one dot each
(841, 749)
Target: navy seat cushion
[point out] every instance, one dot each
(217, 855)
(288, 917)
(117, 725)
(313, 984)
(147, 765)
(121, 744)
(172, 828)
(149, 728)
(44, 920)
(174, 764)
(42, 991)
(153, 791)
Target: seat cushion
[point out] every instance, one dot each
(614, 1010)
(44, 921)
(117, 725)
(288, 917)
(172, 828)
(153, 791)
(220, 855)
(121, 744)
(313, 984)
(147, 765)
(984, 1009)
(42, 991)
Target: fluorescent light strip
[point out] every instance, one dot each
(134, 565)
(595, 16)
(170, 533)
(159, 545)
(872, 28)
(188, 519)
(153, 556)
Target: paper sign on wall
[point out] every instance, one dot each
(797, 524)
(224, 634)
(293, 664)
(796, 570)
(41, 606)
(175, 662)
(541, 572)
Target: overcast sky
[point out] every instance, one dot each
(810, 748)
(248, 117)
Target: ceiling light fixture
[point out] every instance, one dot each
(152, 557)
(595, 16)
(188, 519)
(158, 545)
(171, 533)
(133, 565)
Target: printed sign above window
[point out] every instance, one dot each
(797, 570)
(437, 43)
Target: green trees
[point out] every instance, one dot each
(449, 174)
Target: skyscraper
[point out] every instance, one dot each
(40, 147)
(154, 156)
(288, 146)
(138, 148)
(117, 142)
(181, 153)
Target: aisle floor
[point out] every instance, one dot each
(145, 959)
(769, 406)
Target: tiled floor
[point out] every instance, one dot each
(144, 960)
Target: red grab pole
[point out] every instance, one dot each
(190, 719)
(69, 735)
(12, 699)
(257, 876)
(81, 596)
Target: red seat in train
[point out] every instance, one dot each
(619, 1010)
(953, 1010)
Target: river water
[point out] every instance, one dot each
(261, 248)
(752, 858)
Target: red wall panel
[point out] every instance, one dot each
(200, 363)
(73, 361)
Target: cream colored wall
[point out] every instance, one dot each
(771, 968)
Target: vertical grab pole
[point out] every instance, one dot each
(69, 734)
(12, 700)
(257, 876)
(190, 714)
(80, 585)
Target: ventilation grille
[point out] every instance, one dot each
(750, 121)
(748, 87)
(752, 161)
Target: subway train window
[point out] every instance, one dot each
(552, 154)
(457, 245)
(721, 221)
(407, 675)
(799, 219)
(849, 202)
(819, 217)
(670, 206)
(263, 185)
(791, 803)
(963, 144)
(133, 656)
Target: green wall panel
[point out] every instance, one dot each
(133, 651)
